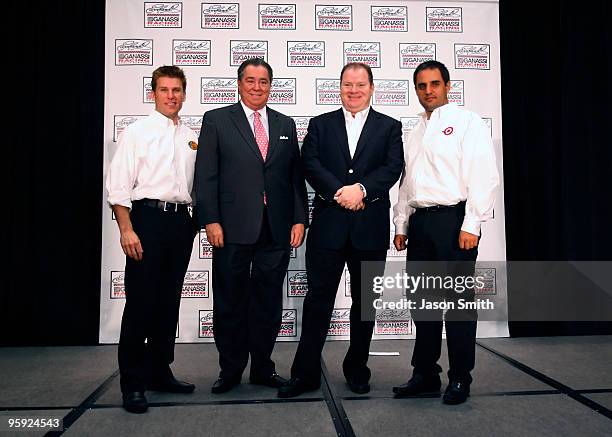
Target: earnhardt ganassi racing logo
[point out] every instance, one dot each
(117, 285)
(301, 127)
(193, 122)
(163, 14)
(190, 52)
(365, 52)
(328, 91)
(218, 90)
(389, 18)
(242, 50)
(393, 322)
(390, 92)
(472, 56)
(121, 122)
(297, 283)
(206, 249)
(330, 17)
(305, 53)
(340, 322)
(220, 15)
(282, 91)
(133, 52)
(206, 324)
(196, 284)
(456, 93)
(413, 54)
(147, 90)
(288, 326)
(444, 19)
(276, 17)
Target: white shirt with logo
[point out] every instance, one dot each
(154, 160)
(448, 159)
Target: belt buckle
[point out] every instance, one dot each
(166, 205)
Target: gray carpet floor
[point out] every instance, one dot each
(557, 386)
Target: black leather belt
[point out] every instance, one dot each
(437, 208)
(163, 205)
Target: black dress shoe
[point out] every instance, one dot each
(135, 402)
(295, 387)
(456, 393)
(359, 387)
(272, 381)
(418, 385)
(223, 385)
(170, 384)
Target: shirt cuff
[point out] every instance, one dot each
(471, 225)
(401, 228)
(122, 202)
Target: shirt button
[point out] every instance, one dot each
(350, 170)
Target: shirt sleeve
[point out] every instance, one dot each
(480, 175)
(401, 210)
(121, 176)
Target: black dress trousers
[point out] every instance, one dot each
(153, 292)
(433, 237)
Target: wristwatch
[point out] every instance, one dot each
(363, 190)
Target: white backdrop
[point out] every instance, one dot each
(307, 42)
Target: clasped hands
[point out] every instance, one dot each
(350, 197)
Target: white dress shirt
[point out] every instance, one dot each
(153, 160)
(448, 159)
(264, 118)
(354, 126)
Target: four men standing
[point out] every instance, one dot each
(251, 199)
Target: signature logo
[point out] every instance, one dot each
(445, 13)
(221, 9)
(193, 45)
(283, 83)
(247, 45)
(207, 317)
(307, 46)
(392, 84)
(329, 85)
(389, 12)
(164, 7)
(361, 47)
(334, 10)
(419, 48)
(135, 45)
(126, 121)
(195, 276)
(220, 83)
(341, 314)
(277, 10)
(388, 314)
(288, 315)
(473, 50)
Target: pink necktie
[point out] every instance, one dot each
(262, 140)
(260, 135)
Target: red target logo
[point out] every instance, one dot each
(448, 130)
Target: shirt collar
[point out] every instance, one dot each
(249, 112)
(441, 111)
(361, 115)
(163, 120)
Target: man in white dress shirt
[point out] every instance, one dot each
(149, 186)
(447, 190)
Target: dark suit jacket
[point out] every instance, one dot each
(231, 176)
(377, 164)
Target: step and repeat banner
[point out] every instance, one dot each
(306, 42)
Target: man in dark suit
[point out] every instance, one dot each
(251, 198)
(352, 157)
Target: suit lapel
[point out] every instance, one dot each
(274, 129)
(239, 119)
(368, 128)
(340, 130)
